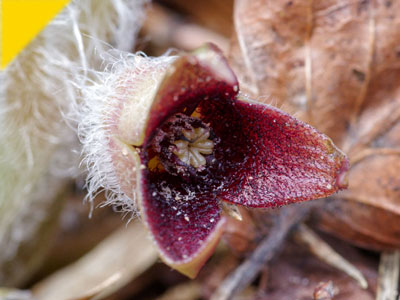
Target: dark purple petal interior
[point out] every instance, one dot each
(181, 214)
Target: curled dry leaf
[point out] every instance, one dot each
(117, 260)
(336, 64)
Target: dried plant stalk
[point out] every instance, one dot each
(266, 250)
(388, 276)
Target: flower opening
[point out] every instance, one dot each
(182, 145)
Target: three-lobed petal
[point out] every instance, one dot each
(261, 157)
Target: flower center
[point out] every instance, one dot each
(183, 145)
(191, 150)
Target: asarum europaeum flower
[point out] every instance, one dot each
(174, 135)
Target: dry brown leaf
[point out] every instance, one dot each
(336, 65)
(165, 30)
(296, 274)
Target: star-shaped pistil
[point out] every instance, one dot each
(197, 144)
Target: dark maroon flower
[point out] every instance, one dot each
(199, 142)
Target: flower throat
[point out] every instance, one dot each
(183, 146)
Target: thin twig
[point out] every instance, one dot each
(327, 254)
(388, 276)
(267, 249)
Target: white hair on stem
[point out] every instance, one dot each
(35, 142)
(121, 81)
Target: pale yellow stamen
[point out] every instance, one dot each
(191, 152)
